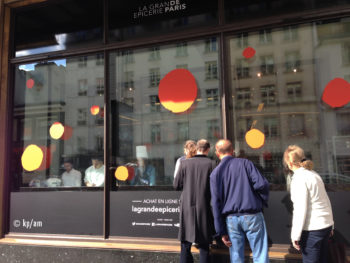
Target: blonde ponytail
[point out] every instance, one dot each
(307, 164)
(296, 156)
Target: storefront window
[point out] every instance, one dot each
(59, 110)
(58, 144)
(149, 18)
(148, 131)
(59, 26)
(278, 91)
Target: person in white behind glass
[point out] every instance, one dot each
(312, 211)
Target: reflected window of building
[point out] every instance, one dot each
(211, 70)
(293, 62)
(242, 69)
(296, 124)
(213, 129)
(265, 36)
(212, 97)
(100, 86)
(128, 56)
(42, 127)
(100, 60)
(183, 131)
(271, 127)
(183, 66)
(268, 95)
(82, 117)
(267, 65)
(81, 144)
(181, 50)
(129, 80)
(82, 87)
(211, 45)
(242, 40)
(290, 33)
(294, 92)
(154, 54)
(243, 125)
(244, 98)
(154, 77)
(99, 143)
(343, 123)
(154, 103)
(346, 53)
(82, 62)
(155, 133)
(99, 120)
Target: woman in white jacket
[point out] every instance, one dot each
(312, 211)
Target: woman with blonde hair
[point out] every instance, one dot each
(190, 150)
(312, 211)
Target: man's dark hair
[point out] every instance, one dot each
(97, 157)
(203, 145)
(68, 161)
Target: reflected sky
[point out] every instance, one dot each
(31, 67)
(61, 45)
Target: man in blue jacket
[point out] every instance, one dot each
(238, 194)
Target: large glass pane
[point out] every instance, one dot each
(61, 25)
(160, 97)
(148, 18)
(290, 85)
(58, 136)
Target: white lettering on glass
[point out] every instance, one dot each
(159, 8)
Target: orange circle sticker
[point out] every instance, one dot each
(56, 130)
(177, 90)
(94, 110)
(32, 157)
(255, 138)
(121, 173)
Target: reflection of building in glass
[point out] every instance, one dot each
(334, 37)
(149, 122)
(275, 93)
(65, 94)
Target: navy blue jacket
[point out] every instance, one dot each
(237, 187)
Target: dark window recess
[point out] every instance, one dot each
(61, 25)
(238, 10)
(147, 18)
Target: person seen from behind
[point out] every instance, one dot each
(312, 210)
(238, 194)
(190, 150)
(196, 218)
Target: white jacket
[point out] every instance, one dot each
(312, 208)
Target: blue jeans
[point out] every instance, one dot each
(254, 228)
(314, 245)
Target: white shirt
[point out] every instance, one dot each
(312, 208)
(71, 178)
(95, 176)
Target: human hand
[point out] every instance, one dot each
(226, 240)
(296, 244)
(332, 233)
